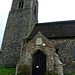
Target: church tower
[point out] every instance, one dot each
(22, 18)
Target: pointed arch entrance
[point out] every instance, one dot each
(39, 63)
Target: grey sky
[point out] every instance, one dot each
(49, 10)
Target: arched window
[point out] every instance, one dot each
(21, 3)
(73, 46)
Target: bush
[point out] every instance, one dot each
(10, 65)
(69, 74)
(48, 73)
(20, 73)
(23, 70)
(51, 73)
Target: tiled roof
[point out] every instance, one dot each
(55, 29)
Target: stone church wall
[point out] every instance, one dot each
(65, 52)
(31, 48)
(16, 29)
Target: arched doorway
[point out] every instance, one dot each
(39, 63)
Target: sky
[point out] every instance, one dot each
(49, 11)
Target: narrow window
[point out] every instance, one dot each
(57, 50)
(35, 11)
(73, 52)
(21, 3)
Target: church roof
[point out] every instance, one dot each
(55, 29)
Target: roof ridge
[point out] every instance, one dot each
(57, 22)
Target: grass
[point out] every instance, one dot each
(7, 71)
(71, 74)
(11, 71)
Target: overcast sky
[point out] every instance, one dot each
(49, 11)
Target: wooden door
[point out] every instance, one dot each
(38, 63)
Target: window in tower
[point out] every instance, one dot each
(73, 46)
(35, 11)
(21, 4)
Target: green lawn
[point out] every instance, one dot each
(11, 71)
(7, 71)
(71, 74)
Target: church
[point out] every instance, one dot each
(42, 46)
